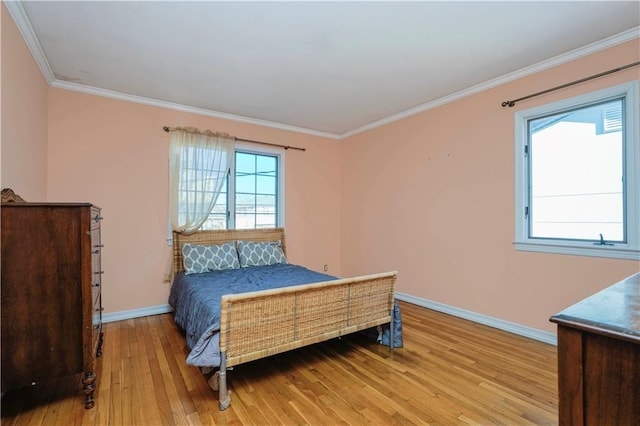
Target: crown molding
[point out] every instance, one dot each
(91, 90)
(21, 19)
(606, 43)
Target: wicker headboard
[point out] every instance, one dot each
(215, 237)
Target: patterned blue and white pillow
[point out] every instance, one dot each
(260, 254)
(197, 258)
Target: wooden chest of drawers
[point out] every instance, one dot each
(51, 293)
(599, 357)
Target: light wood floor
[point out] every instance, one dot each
(450, 371)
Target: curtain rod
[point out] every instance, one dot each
(167, 129)
(582, 80)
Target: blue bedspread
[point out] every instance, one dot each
(196, 298)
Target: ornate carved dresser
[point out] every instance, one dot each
(51, 293)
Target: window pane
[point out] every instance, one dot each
(266, 165)
(215, 221)
(245, 183)
(245, 163)
(265, 221)
(245, 203)
(576, 174)
(266, 185)
(245, 221)
(218, 216)
(266, 204)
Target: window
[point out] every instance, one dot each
(252, 195)
(577, 179)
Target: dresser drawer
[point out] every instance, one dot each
(96, 217)
(95, 293)
(96, 329)
(96, 282)
(96, 297)
(96, 263)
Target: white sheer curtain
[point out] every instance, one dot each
(198, 167)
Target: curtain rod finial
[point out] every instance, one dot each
(508, 103)
(165, 128)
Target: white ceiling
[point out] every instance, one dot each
(329, 68)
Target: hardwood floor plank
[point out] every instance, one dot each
(113, 346)
(168, 401)
(126, 373)
(449, 371)
(265, 394)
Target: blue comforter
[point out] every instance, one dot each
(196, 298)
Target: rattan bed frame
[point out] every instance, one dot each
(263, 323)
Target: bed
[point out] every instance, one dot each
(241, 314)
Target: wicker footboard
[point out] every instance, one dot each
(259, 324)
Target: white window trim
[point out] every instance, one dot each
(279, 154)
(251, 149)
(629, 250)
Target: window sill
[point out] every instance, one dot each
(611, 252)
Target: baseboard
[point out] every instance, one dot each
(522, 330)
(136, 313)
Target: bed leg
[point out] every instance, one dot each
(223, 393)
(391, 331)
(213, 381)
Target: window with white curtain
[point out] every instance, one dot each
(198, 165)
(577, 175)
(252, 195)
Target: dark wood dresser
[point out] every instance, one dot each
(599, 357)
(51, 293)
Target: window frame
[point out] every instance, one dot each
(280, 185)
(231, 189)
(631, 151)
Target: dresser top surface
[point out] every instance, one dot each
(28, 204)
(612, 311)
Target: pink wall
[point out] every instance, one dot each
(433, 197)
(430, 196)
(115, 154)
(24, 117)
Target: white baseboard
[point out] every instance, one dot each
(510, 327)
(136, 313)
(522, 330)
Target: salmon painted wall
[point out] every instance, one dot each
(115, 154)
(24, 116)
(432, 196)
